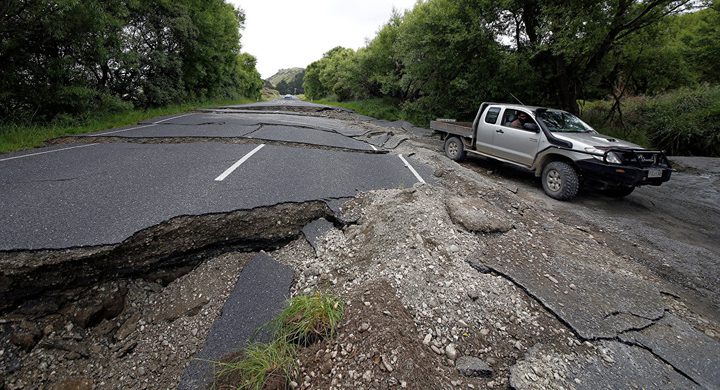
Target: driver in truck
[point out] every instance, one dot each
(518, 123)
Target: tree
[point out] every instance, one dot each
(282, 87)
(314, 88)
(69, 57)
(248, 81)
(569, 40)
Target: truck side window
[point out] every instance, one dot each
(492, 115)
(518, 120)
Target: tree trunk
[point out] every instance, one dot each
(566, 86)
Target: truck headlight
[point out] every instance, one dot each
(612, 157)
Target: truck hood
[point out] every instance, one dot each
(581, 141)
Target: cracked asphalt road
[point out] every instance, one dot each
(630, 279)
(617, 271)
(271, 127)
(94, 194)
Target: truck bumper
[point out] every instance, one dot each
(613, 175)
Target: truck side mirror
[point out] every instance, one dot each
(531, 127)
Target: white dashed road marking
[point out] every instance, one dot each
(46, 152)
(142, 127)
(237, 164)
(410, 167)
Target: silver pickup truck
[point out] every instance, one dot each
(560, 148)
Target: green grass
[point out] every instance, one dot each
(306, 319)
(376, 108)
(18, 136)
(261, 363)
(309, 318)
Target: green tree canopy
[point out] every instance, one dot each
(444, 57)
(71, 57)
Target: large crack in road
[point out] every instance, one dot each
(177, 243)
(202, 139)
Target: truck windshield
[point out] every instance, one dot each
(561, 121)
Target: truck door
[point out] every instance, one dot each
(486, 129)
(516, 137)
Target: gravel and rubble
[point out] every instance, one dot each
(552, 322)
(406, 241)
(135, 334)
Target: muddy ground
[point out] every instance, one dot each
(476, 280)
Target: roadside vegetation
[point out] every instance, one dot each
(684, 122)
(306, 320)
(377, 108)
(18, 136)
(444, 57)
(94, 64)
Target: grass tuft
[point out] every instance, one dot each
(307, 319)
(261, 364)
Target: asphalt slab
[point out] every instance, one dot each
(260, 294)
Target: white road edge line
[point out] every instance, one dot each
(407, 164)
(141, 127)
(49, 151)
(238, 163)
(373, 147)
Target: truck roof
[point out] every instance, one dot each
(513, 105)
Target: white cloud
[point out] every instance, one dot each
(287, 33)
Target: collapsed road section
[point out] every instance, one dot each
(178, 243)
(466, 281)
(98, 232)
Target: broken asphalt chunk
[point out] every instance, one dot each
(315, 230)
(259, 295)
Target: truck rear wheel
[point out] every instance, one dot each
(560, 180)
(454, 149)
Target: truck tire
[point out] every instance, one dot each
(618, 192)
(560, 180)
(455, 149)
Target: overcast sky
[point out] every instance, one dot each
(294, 33)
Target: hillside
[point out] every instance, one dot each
(284, 74)
(288, 80)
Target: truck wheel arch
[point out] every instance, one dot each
(548, 158)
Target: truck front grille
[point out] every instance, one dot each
(643, 159)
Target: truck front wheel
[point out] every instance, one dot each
(455, 149)
(560, 180)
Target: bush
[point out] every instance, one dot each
(685, 121)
